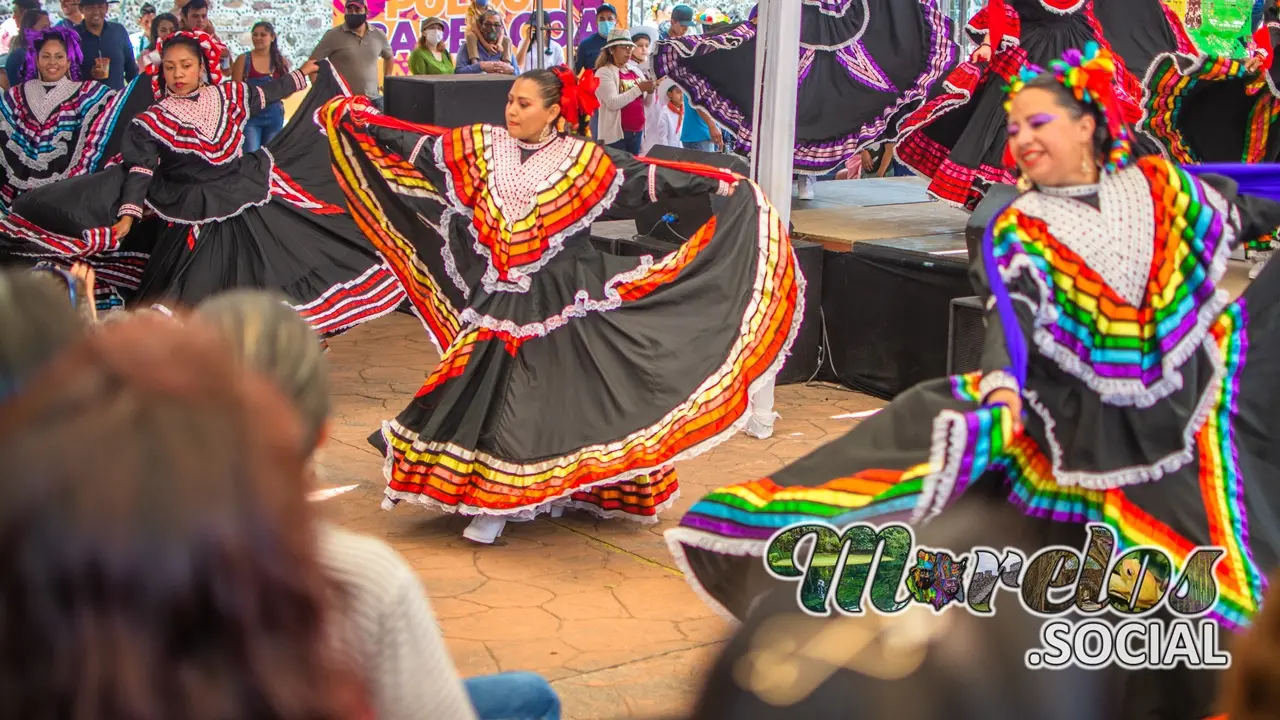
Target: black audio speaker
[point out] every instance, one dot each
(806, 350)
(997, 198)
(885, 312)
(448, 100)
(966, 334)
(690, 213)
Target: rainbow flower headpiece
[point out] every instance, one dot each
(1090, 78)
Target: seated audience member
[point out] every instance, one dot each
(431, 56)
(391, 631)
(156, 557)
(493, 52)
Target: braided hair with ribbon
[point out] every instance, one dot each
(65, 34)
(1089, 77)
(205, 47)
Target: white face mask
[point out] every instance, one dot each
(434, 36)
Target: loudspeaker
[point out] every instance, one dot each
(997, 198)
(886, 315)
(966, 334)
(689, 213)
(806, 350)
(448, 100)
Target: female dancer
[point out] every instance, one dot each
(568, 377)
(1150, 395)
(957, 139)
(52, 125)
(862, 65)
(267, 219)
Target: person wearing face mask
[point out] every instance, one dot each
(431, 56)
(492, 53)
(527, 53)
(354, 49)
(590, 47)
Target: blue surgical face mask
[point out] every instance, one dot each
(606, 27)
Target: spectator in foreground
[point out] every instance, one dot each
(258, 68)
(700, 131)
(183, 581)
(527, 54)
(354, 48)
(622, 93)
(589, 48)
(493, 52)
(391, 630)
(431, 56)
(146, 16)
(15, 66)
(71, 14)
(9, 28)
(108, 52)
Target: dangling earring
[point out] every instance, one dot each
(1087, 164)
(1025, 184)
(548, 132)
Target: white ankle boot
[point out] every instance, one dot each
(485, 529)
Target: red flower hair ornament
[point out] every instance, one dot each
(210, 49)
(578, 97)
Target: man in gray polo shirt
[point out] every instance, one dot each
(354, 49)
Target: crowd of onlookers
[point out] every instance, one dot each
(637, 110)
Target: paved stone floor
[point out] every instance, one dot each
(598, 607)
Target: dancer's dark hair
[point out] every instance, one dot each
(279, 65)
(157, 554)
(1076, 109)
